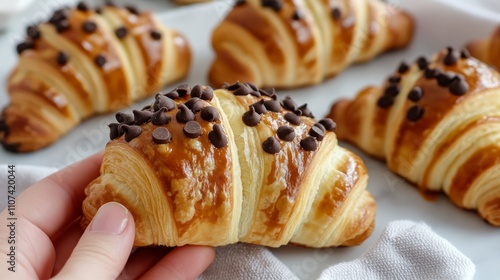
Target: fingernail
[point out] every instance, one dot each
(111, 218)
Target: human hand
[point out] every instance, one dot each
(51, 243)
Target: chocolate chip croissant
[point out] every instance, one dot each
(437, 124)
(284, 43)
(236, 164)
(83, 62)
(487, 49)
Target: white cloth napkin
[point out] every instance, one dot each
(406, 250)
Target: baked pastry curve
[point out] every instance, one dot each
(487, 49)
(286, 44)
(437, 124)
(235, 164)
(83, 62)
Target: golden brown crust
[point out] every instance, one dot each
(79, 64)
(299, 43)
(487, 49)
(279, 178)
(436, 123)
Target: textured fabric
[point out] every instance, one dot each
(406, 250)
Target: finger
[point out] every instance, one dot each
(65, 244)
(54, 202)
(141, 261)
(186, 262)
(104, 247)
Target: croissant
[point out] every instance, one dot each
(487, 49)
(236, 164)
(83, 62)
(437, 124)
(285, 44)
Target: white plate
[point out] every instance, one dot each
(438, 25)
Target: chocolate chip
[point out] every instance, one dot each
(459, 86)
(252, 86)
(255, 93)
(392, 90)
(98, 10)
(451, 57)
(23, 46)
(273, 105)
(416, 94)
(183, 90)
(141, 117)
(271, 146)
(207, 94)
(155, 35)
(194, 104)
(121, 32)
(305, 111)
(184, 115)
(62, 26)
(160, 118)
(259, 107)
(242, 90)
(415, 113)
(124, 118)
(81, 6)
(276, 5)
(293, 118)
(422, 63)
(320, 126)
(58, 16)
(328, 124)
(268, 92)
(115, 131)
(394, 79)
(385, 101)
(210, 114)
(336, 13)
(161, 135)
(239, 2)
(196, 91)
(297, 15)
(233, 86)
(403, 68)
(289, 104)
(172, 95)
(309, 143)
(89, 26)
(317, 132)
(192, 129)
(100, 60)
(33, 32)
(464, 54)
(133, 9)
(251, 118)
(162, 101)
(444, 79)
(147, 108)
(286, 133)
(217, 136)
(62, 58)
(432, 73)
(131, 131)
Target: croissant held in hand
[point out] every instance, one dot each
(487, 49)
(284, 43)
(83, 62)
(437, 124)
(236, 164)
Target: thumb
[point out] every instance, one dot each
(104, 247)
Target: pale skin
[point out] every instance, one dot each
(51, 244)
